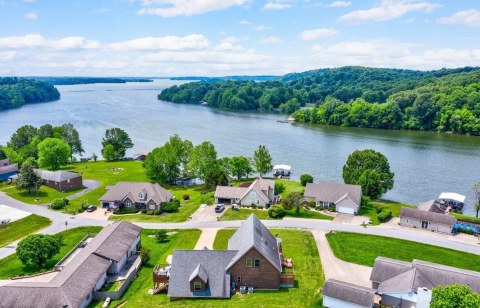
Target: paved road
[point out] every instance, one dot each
(59, 219)
(89, 184)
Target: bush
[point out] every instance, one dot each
(149, 212)
(80, 210)
(467, 231)
(161, 236)
(277, 211)
(332, 209)
(384, 215)
(312, 203)
(125, 211)
(157, 212)
(57, 204)
(365, 200)
(379, 208)
(306, 178)
(144, 211)
(144, 255)
(170, 207)
(318, 208)
(279, 188)
(186, 197)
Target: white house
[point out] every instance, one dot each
(345, 198)
(260, 193)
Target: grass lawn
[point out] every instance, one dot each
(46, 194)
(22, 227)
(11, 266)
(221, 240)
(465, 217)
(243, 214)
(370, 211)
(290, 186)
(363, 249)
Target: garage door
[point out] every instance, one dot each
(346, 210)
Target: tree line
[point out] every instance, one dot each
(16, 92)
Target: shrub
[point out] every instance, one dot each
(306, 178)
(126, 211)
(384, 215)
(312, 203)
(279, 188)
(467, 231)
(277, 211)
(144, 211)
(150, 213)
(365, 200)
(170, 207)
(157, 212)
(144, 255)
(80, 210)
(161, 236)
(253, 206)
(186, 197)
(332, 209)
(318, 208)
(379, 208)
(57, 204)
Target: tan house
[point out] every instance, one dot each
(260, 193)
(344, 197)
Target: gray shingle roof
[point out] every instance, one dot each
(427, 216)
(122, 189)
(200, 273)
(432, 206)
(386, 268)
(4, 162)
(253, 234)
(213, 262)
(57, 176)
(9, 168)
(333, 192)
(228, 192)
(348, 292)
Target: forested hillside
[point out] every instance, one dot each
(16, 92)
(444, 100)
(88, 80)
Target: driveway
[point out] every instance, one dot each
(206, 213)
(7, 212)
(99, 214)
(89, 184)
(206, 238)
(342, 218)
(337, 269)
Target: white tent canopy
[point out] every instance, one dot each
(282, 167)
(452, 196)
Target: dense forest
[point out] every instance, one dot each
(443, 100)
(87, 80)
(16, 92)
(226, 78)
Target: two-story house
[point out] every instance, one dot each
(260, 193)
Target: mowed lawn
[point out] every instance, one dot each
(45, 194)
(370, 211)
(21, 228)
(243, 214)
(363, 249)
(11, 266)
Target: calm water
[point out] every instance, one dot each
(425, 164)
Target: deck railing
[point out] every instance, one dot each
(160, 276)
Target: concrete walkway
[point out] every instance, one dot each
(338, 269)
(206, 238)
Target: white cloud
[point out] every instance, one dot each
(193, 41)
(317, 34)
(38, 41)
(228, 47)
(271, 40)
(470, 18)
(31, 16)
(388, 9)
(206, 57)
(340, 4)
(276, 6)
(8, 55)
(103, 10)
(262, 28)
(222, 32)
(234, 39)
(244, 22)
(171, 8)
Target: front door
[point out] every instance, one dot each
(425, 224)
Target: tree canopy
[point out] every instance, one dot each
(203, 159)
(119, 140)
(16, 92)
(28, 179)
(37, 249)
(53, 153)
(454, 296)
(262, 161)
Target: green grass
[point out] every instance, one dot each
(22, 227)
(370, 211)
(46, 194)
(221, 240)
(11, 266)
(112, 287)
(290, 186)
(363, 249)
(243, 214)
(465, 217)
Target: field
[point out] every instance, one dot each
(11, 266)
(243, 214)
(370, 211)
(363, 249)
(46, 194)
(22, 227)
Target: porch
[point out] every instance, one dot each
(161, 278)
(287, 277)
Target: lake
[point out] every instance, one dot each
(425, 163)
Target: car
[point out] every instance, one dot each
(219, 208)
(91, 208)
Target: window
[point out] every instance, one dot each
(68, 181)
(253, 193)
(257, 262)
(257, 201)
(128, 204)
(249, 262)
(239, 279)
(152, 206)
(197, 286)
(48, 181)
(249, 201)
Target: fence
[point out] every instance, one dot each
(59, 266)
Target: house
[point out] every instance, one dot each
(253, 259)
(140, 156)
(7, 170)
(83, 275)
(339, 294)
(260, 193)
(345, 198)
(404, 284)
(61, 180)
(136, 195)
(427, 220)
(433, 206)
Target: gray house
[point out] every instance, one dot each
(427, 220)
(345, 198)
(260, 193)
(339, 294)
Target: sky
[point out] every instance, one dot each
(162, 38)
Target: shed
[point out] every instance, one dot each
(427, 220)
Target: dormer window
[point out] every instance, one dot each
(141, 195)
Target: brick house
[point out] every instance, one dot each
(7, 170)
(61, 180)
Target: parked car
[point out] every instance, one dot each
(219, 208)
(91, 208)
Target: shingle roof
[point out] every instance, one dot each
(152, 191)
(259, 185)
(213, 262)
(57, 176)
(386, 268)
(348, 292)
(432, 206)
(253, 234)
(427, 216)
(199, 272)
(333, 192)
(9, 168)
(4, 162)
(228, 192)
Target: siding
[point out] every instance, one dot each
(391, 301)
(347, 203)
(412, 222)
(330, 302)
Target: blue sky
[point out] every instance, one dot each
(232, 37)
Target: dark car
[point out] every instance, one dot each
(219, 208)
(91, 208)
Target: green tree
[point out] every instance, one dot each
(3, 155)
(95, 157)
(161, 236)
(276, 211)
(279, 188)
(454, 296)
(371, 184)
(71, 137)
(293, 201)
(216, 177)
(240, 167)
(119, 139)
(203, 159)
(37, 249)
(13, 155)
(28, 179)
(45, 131)
(32, 161)
(476, 197)
(262, 161)
(145, 255)
(306, 178)
(359, 161)
(109, 152)
(53, 153)
(22, 137)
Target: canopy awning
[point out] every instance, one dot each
(452, 196)
(282, 167)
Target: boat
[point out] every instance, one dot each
(281, 171)
(282, 121)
